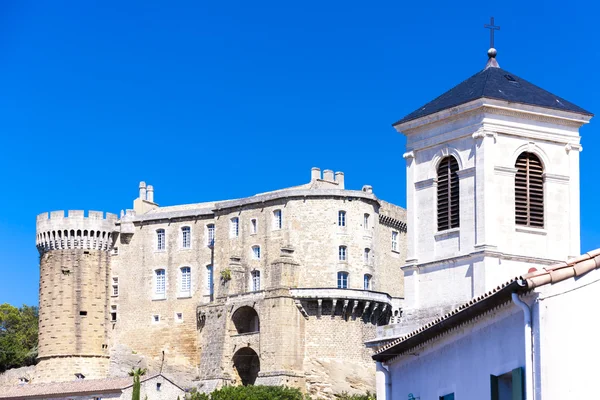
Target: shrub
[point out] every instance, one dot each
(346, 396)
(257, 393)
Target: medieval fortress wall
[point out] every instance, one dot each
(256, 288)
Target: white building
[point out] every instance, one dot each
(492, 193)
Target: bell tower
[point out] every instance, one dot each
(492, 186)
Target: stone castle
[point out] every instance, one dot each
(278, 288)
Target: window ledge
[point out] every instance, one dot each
(529, 229)
(160, 251)
(448, 233)
(184, 296)
(159, 298)
(396, 251)
(185, 248)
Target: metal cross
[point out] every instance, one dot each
(492, 28)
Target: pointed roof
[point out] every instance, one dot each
(494, 83)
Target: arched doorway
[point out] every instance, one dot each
(247, 365)
(245, 320)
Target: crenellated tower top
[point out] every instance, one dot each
(55, 231)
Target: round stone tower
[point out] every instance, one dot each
(74, 298)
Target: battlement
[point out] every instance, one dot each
(55, 231)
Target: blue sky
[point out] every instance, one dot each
(218, 100)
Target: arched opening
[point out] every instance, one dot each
(245, 319)
(247, 365)
(448, 194)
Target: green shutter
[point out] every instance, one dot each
(518, 384)
(494, 387)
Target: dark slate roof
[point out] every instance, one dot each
(494, 83)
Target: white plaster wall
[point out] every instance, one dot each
(567, 337)
(462, 362)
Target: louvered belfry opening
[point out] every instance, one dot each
(529, 191)
(447, 194)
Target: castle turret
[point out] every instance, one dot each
(74, 274)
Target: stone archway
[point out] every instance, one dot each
(247, 365)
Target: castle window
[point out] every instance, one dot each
(256, 252)
(235, 227)
(366, 221)
(342, 253)
(367, 281)
(529, 191)
(115, 286)
(186, 237)
(342, 280)
(253, 226)
(394, 241)
(277, 219)
(178, 317)
(159, 283)
(113, 313)
(255, 281)
(447, 194)
(209, 279)
(210, 235)
(341, 218)
(160, 239)
(367, 256)
(155, 319)
(186, 280)
(79, 376)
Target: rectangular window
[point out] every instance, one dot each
(449, 396)
(394, 241)
(367, 282)
(342, 282)
(366, 221)
(178, 317)
(277, 219)
(186, 279)
(253, 226)
(115, 286)
(209, 279)
(342, 256)
(210, 234)
(186, 237)
(235, 227)
(160, 239)
(256, 252)
(508, 386)
(159, 285)
(367, 256)
(255, 281)
(155, 318)
(113, 313)
(341, 218)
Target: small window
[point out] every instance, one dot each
(209, 279)
(342, 253)
(277, 219)
(508, 386)
(178, 317)
(160, 239)
(235, 227)
(115, 286)
(256, 252)
(186, 237)
(449, 396)
(79, 376)
(114, 251)
(83, 313)
(341, 218)
(158, 386)
(394, 241)
(159, 282)
(253, 226)
(113, 313)
(155, 319)
(186, 280)
(367, 282)
(366, 221)
(255, 281)
(342, 280)
(210, 235)
(367, 256)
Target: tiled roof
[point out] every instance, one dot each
(78, 387)
(490, 300)
(494, 83)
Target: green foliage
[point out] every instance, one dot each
(226, 275)
(346, 396)
(18, 336)
(250, 393)
(136, 373)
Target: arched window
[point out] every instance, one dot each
(529, 191)
(367, 281)
(255, 281)
(342, 253)
(245, 320)
(447, 194)
(256, 252)
(367, 256)
(342, 280)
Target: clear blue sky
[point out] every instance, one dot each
(217, 100)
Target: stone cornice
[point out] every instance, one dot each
(425, 184)
(555, 178)
(506, 171)
(465, 173)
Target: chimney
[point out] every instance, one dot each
(315, 173)
(150, 196)
(367, 189)
(143, 190)
(328, 175)
(339, 178)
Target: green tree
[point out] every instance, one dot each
(257, 393)
(18, 336)
(136, 373)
